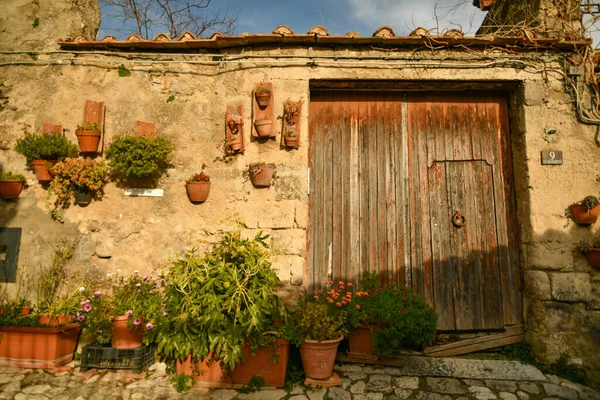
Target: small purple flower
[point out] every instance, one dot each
(129, 313)
(97, 293)
(87, 307)
(149, 326)
(137, 321)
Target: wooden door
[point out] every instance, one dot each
(389, 171)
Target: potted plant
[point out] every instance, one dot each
(261, 174)
(264, 127)
(234, 140)
(263, 94)
(219, 308)
(11, 185)
(591, 249)
(41, 151)
(125, 315)
(24, 343)
(88, 137)
(586, 211)
(291, 136)
(318, 325)
(80, 178)
(198, 186)
(292, 111)
(139, 156)
(383, 320)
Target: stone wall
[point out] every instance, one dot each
(562, 292)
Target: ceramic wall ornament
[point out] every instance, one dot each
(89, 135)
(263, 111)
(290, 134)
(234, 130)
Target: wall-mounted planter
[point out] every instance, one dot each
(83, 198)
(263, 110)
(593, 257)
(10, 188)
(583, 216)
(197, 191)
(261, 174)
(269, 363)
(28, 347)
(41, 169)
(89, 137)
(290, 136)
(234, 130)
(88, 140)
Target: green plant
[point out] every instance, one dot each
(199, 177)
(139, 156)
(589, 202)
(262, 89)
(75, 175)
(52, 146)
(181, 382)
(170, 98)
(255, 384)
(123, 72)
(11, 314)
(587, 245)
(139, 298)
(398, 316)
(218, 302)
(90, 126)
(256, 168)
(314, 320)
(32, 55)
(36, 23)
(290, 131)
(10, 176)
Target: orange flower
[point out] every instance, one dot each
(316, 297)
(341, 283)
(358, 294)
(330, 300)
(338, 304)
(349, 284)
(301, 294)
(344, 302)
(357, 307)
(349, 294)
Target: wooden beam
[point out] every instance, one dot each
(512, 334)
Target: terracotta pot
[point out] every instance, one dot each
(83, 198)
(29, 347)
(264, 127)
(25, 310)
(263, 178)
(268, 362)
(291, 141)
(583, 216)
(318, 357)
(593, 257)
(57, 320)
(40, 167)
(88, 140)
(360, 343)
(10, 188)
(263, 99)
(123, 338)
(197, 191)
(235, 145)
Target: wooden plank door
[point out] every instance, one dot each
(460, 161)
(358, 186)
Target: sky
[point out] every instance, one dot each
(342, 16)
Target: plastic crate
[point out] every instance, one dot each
(99, 356)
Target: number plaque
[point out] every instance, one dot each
(552, 157)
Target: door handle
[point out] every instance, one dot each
(458, 220)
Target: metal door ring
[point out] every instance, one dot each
(458, 219)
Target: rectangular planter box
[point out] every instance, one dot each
(99, 356)
(260, 364)
(28, 347)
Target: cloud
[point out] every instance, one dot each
(405, 15)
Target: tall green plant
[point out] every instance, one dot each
(139, 156)
(52, 146)
(217, 302)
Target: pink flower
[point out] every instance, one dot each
(97, 293)
(129, 313)
(84, 302)
(80, 317)
(137, 321)
(138, 284)
(87, 307)
(149, 326)
(165, 313)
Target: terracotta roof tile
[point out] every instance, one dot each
(283, 36)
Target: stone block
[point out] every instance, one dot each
(380, 383)
(502, 386)
(407, 382)
(290, 269)
(537, 285)
(301, 216)
(571, 287)
(269, 214)
(535, 94)
(550, 255)
(445, 385)
(560, 391)
(290, 241)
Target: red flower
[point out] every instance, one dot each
(349, 284)
(301, 294)
(400, 310)
(338, 304)
(357, 307)
(330, 300)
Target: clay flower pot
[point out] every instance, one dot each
(583, 216)
(360, 343)
(593, 258)
(264, 127)
(262, 98)
(10, 188)
(123, 338)
(88, 140)
(261, 177)
(58, 320)
(197, 191)
(291, 141)
(235, 144)
(40, 168)
(318, 357)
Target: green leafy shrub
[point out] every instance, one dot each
(139, 156)
(587, 245)
(53, 146)
(217, 302)
(589, 202)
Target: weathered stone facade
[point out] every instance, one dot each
(562, 292)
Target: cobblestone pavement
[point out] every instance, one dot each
(420, 379)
